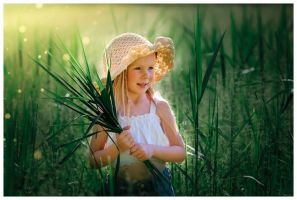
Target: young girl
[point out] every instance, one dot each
(150, 130)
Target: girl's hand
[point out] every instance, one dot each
(142, 151)
(124, 140)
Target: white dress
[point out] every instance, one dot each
(145, 129)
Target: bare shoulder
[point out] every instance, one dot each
(164, 110)
(168, 122)
(163, 106)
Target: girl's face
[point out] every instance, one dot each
(140, 74)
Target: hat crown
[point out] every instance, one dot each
(124, 49)
(121, 46)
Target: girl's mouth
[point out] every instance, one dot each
(142, 85)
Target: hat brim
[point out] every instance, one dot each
(164, 48)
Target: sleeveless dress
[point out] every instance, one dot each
(145, 129)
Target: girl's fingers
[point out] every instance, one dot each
(141, 158)
(132, 143)
(125, 140)
(135, 149)
(126, 127)
(129, 135)
(124, 134)
(136, 154)
(129, 139)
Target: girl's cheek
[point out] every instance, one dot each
(135, 73)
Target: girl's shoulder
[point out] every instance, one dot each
(163, 108)
(158, 98)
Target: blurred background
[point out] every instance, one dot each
(238, 127)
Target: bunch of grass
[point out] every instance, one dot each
(91, 99)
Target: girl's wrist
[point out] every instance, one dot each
(153, 149)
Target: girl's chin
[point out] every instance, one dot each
(139, 91)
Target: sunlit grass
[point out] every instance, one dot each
(239, 135)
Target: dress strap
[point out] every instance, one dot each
(153, 107)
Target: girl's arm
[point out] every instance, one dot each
(175, 152)
(100, 155)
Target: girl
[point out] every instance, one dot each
(150, 130)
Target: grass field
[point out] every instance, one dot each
(234, 106)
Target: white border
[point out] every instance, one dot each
(2, 98)
(155, 1)
(130, 2)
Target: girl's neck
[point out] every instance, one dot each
(137, 99)
(138, 106)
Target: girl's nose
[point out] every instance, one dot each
(145, 73)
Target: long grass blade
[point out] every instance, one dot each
(209, 68)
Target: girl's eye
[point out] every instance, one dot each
(137, 68)
(151, 68)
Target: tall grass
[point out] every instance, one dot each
(231, 91)
(239, 144)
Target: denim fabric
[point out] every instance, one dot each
(150, 187)
(163, 188)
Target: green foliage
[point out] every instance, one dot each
(232, 98)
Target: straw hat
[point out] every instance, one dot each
(124, 49)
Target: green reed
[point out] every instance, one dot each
(238, 135)
(249, 138)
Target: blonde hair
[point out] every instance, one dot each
(120, 89)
